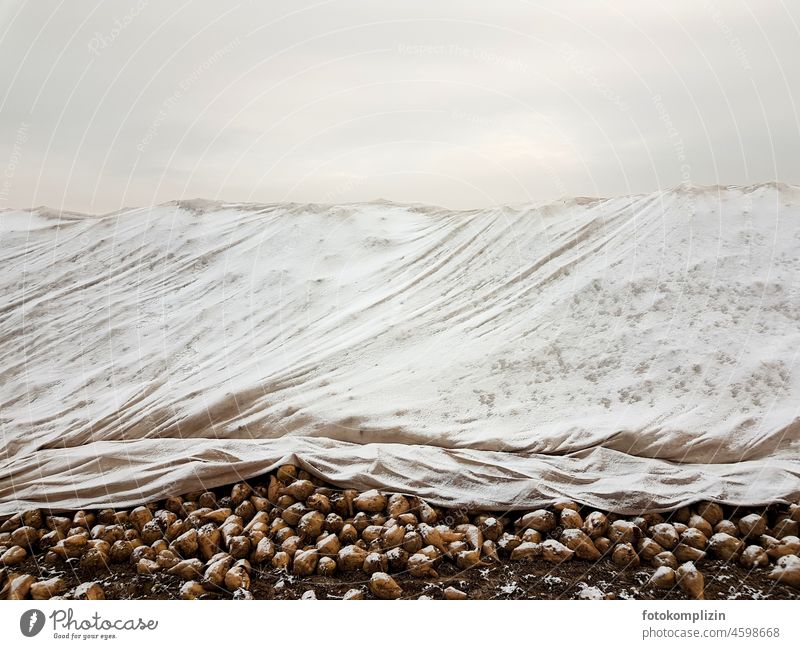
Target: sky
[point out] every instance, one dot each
(105, 105)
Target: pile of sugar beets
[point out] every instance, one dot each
(291, 522)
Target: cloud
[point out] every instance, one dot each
(458, 103)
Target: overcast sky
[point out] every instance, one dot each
(458, 103)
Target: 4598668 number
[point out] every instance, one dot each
(755, 632)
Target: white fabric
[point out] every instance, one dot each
(630, 353)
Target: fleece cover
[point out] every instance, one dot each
(630, 353)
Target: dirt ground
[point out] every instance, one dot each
(533, 579)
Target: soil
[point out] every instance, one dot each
(503, 579)
(534, 579)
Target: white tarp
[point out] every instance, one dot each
(631, 353)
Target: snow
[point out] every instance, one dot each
(626, 352)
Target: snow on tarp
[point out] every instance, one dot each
(636, 352)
